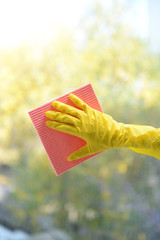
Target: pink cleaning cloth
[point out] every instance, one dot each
(59, 145)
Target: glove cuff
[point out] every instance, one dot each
(139, 136)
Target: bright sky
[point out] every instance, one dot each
(25, 21)
(141, 18)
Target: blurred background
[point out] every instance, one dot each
(48, 48)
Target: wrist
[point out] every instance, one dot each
(140, 136)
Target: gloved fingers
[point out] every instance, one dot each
(78, 102)
(66, 128)
(62, 107)
(62, 117)
(80, 153)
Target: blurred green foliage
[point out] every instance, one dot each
(115, 195)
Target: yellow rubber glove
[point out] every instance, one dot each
(100, 131)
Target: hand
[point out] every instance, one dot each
(95, 127)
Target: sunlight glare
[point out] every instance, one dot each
(26, 21)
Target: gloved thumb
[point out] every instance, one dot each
(80, 153)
